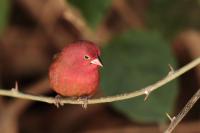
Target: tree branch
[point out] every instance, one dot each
(144, 91)
(184, 111)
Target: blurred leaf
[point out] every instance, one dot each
(172, 16)
(132, 61)
(4, 10)
(92, 10)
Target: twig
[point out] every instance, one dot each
(17, 106)
(14, 108)
(107, 99)
(184, 111)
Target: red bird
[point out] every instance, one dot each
(75, 72)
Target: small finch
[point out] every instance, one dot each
(75, 72)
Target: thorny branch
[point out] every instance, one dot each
(144, 91)
(185, 110)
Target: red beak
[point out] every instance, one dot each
(97, 61)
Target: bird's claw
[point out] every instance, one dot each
(58, 102)
(84, 100)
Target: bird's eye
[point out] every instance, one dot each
(86, 57)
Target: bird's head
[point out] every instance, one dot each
(82, 54)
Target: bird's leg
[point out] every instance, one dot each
(58, 102)
(84, 99)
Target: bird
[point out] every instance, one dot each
(75, 71)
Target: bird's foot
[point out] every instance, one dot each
(58, 102)
(84, 100)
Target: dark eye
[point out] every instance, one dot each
(86, 57)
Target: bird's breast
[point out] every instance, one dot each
(76, 83)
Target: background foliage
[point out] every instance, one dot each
(92, 11)
(4, 12)
(139, 59)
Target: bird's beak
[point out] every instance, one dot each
(97, 61)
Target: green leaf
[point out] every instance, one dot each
(92, 10)
(4, 12)
(134, 60)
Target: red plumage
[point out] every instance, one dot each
(75, 72)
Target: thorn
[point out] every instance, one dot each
(147, 95)
(147, 92)
(171, 70)
(16, 88)
(58, 102)
(170, 118)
